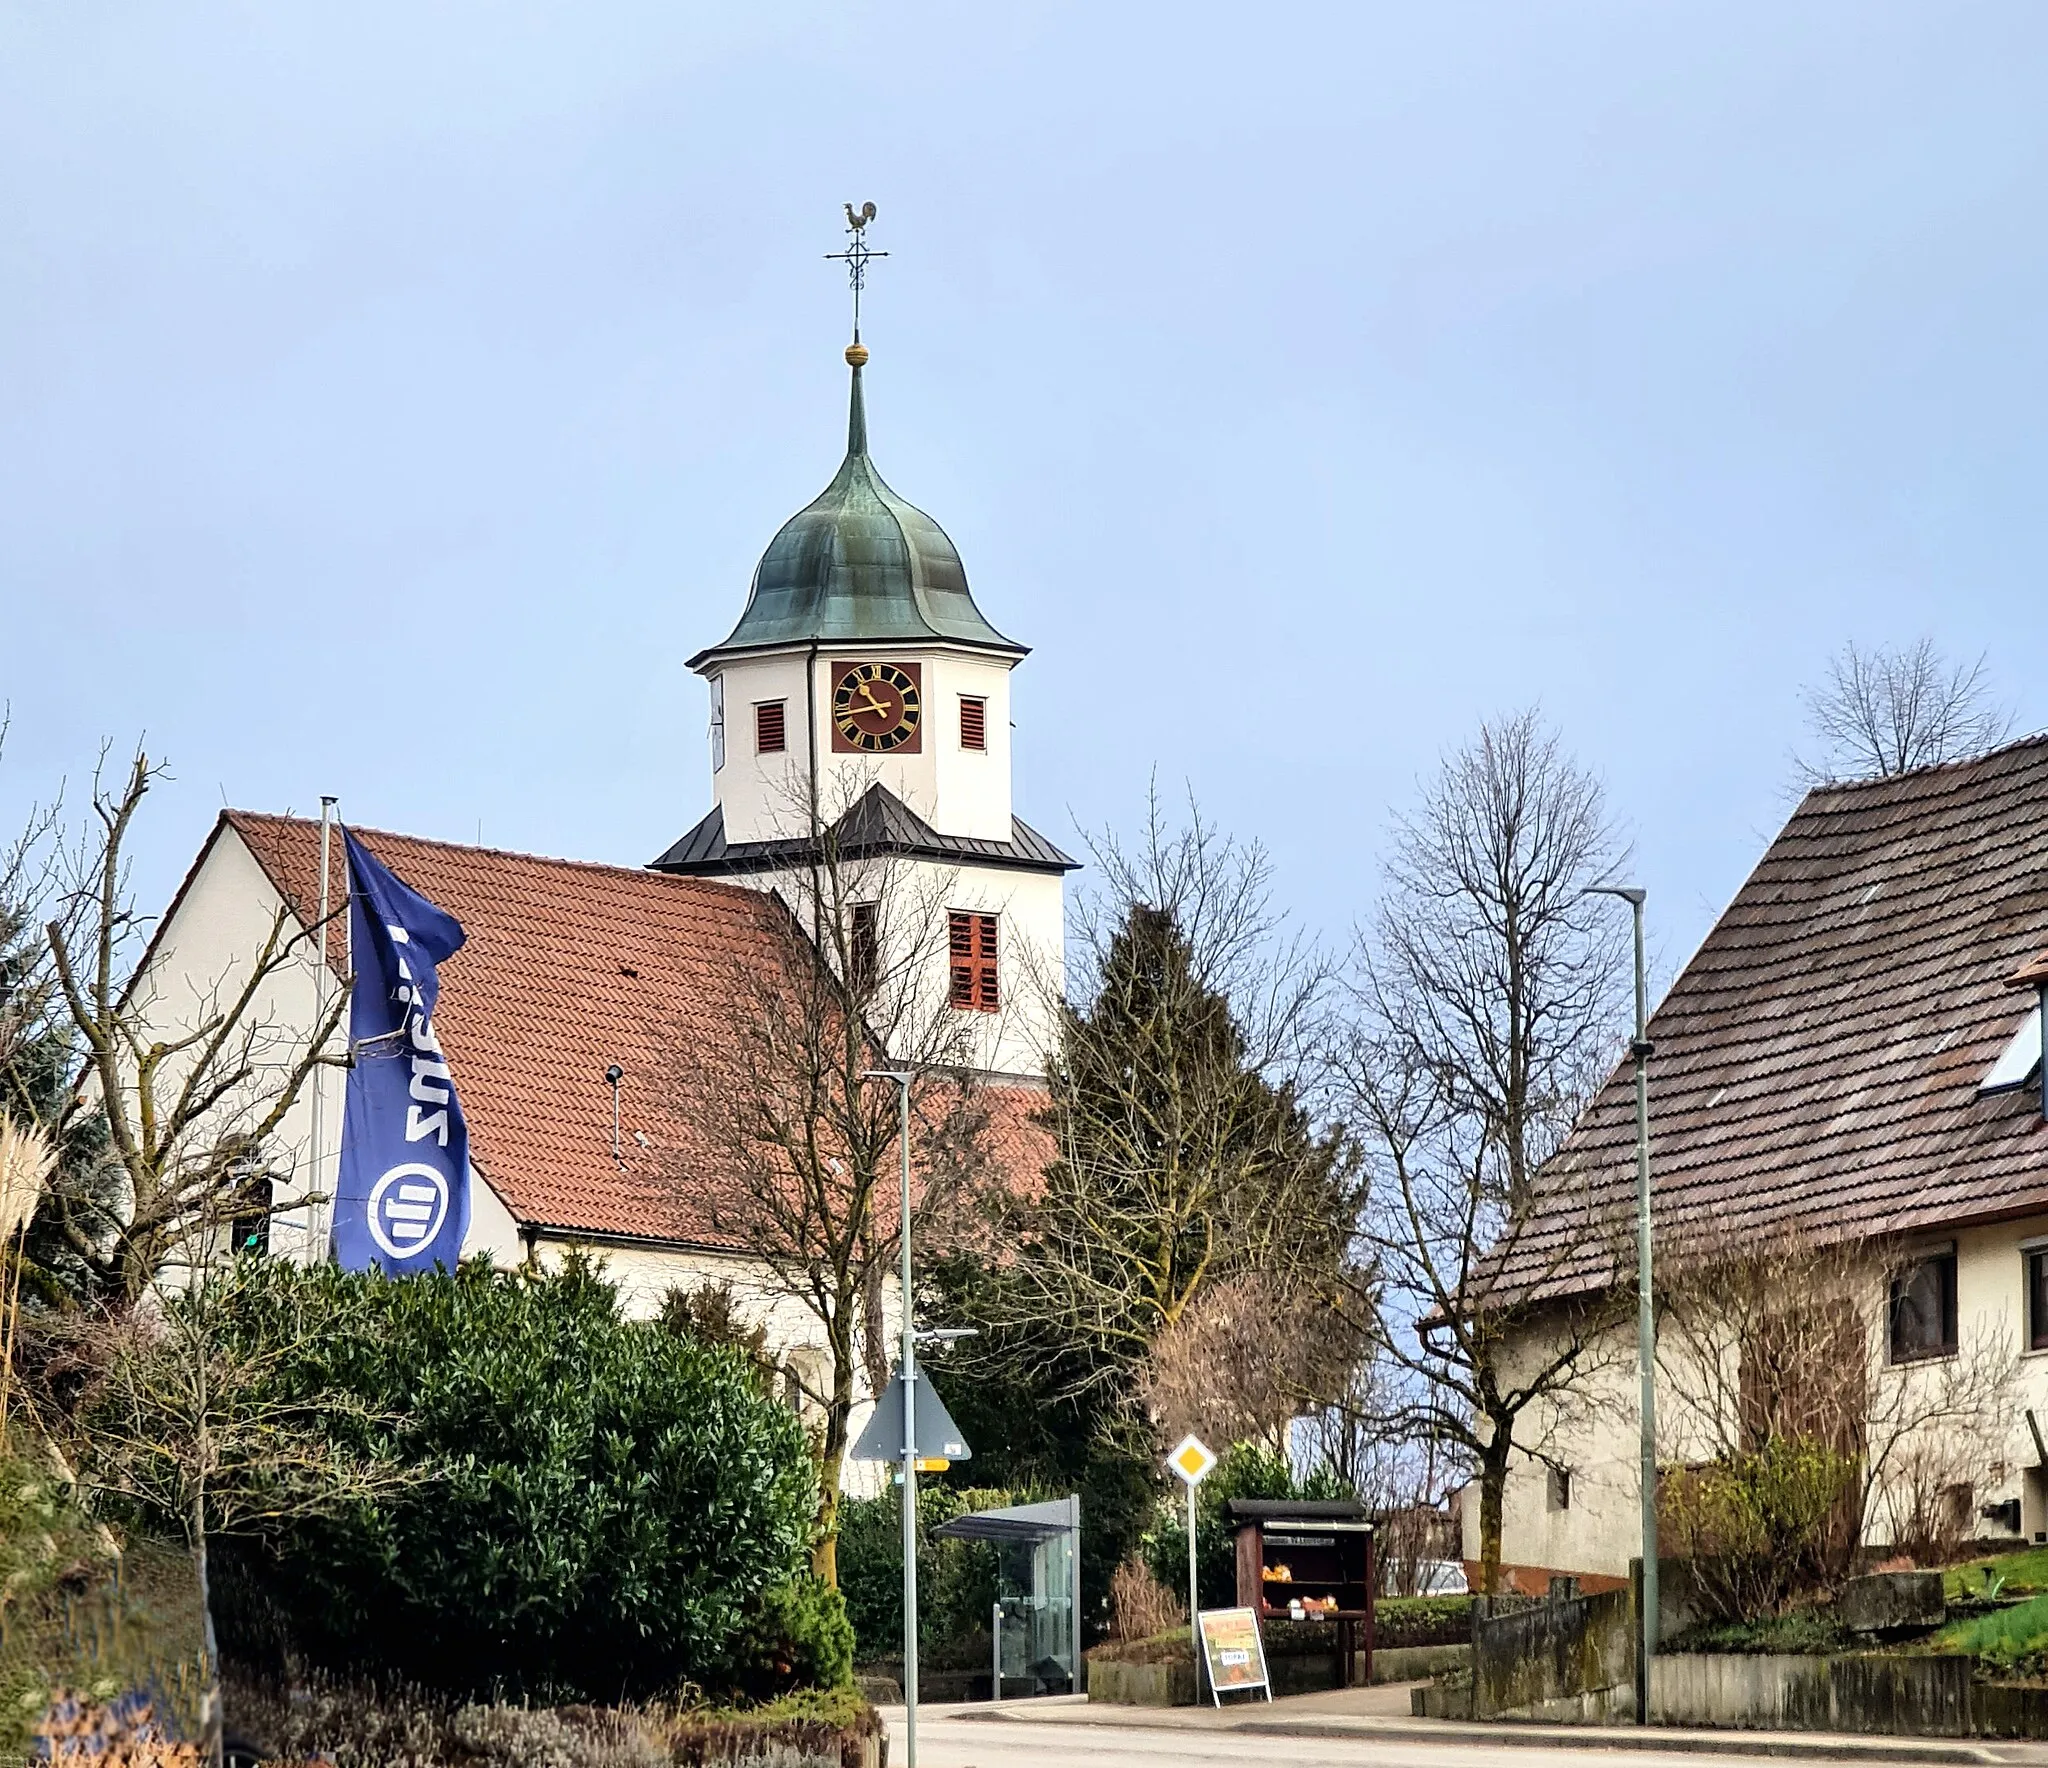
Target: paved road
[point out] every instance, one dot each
(947, 1742)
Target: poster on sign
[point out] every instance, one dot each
(1235, 1654)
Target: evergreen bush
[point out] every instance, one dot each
(606, 1506)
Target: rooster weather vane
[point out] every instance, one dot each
(856, 255)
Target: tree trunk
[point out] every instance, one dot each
(1493, 1480)
(832, 1447)
(209, 1645)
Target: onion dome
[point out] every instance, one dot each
(859, 566)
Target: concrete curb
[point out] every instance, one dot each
(1654, 1740)
(1822, 1746)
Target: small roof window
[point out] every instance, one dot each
(2018, 1060)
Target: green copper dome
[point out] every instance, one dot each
(859, 566)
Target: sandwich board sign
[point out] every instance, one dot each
(1234, 1652)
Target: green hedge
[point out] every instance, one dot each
(956, 1580)
(614, 1508)
(1422, 1620)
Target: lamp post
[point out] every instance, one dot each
(1640, 1048)
(903, 1078)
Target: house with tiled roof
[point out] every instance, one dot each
(1852, 1057)
(861, 724)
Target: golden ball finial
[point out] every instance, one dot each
(857, 355)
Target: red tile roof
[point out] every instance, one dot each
(569, 967)
(1817, 1062)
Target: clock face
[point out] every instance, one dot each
(876, 707)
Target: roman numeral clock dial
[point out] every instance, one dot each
(876, 707)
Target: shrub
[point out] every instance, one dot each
(797, 1637)
(1140, 1606)
(1760, 1526)
(956, 1580)
(609, 1502)
(1421, 1620)
(361, 1725)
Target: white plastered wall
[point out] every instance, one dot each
(220, 923)
(958, 791)
(1601, 1531)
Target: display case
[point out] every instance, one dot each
(1309, 1560)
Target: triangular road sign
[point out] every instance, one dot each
(937, 1437)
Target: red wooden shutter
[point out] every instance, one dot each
(985, 960)
(971, 940)
(770, 730)
(973, 723)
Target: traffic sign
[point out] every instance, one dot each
(937, 1437)
(1191, 1459)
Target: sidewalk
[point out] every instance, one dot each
(1379, 1715)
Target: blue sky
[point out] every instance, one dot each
(392, 396)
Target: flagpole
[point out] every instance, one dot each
(321, 1243)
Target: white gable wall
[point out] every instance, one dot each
(205, 949)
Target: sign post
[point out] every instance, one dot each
(1191, 1460)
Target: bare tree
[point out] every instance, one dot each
(193, 1077)
(1888, 711)
(806, 1165)
(1192, 1182)
(1245, 1358)
(1487, 994)
(186, 1420)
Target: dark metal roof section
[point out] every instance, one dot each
(859, 566)
(879, 823)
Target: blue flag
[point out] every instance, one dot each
(402, 1201)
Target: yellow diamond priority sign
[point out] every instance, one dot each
(1191, 1459)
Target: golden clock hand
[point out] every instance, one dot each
(874, 705)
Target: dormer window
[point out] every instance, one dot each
(973, 722)
(2018, 1060)
(771, 729)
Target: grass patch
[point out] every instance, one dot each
(2025, 1574)
(1805, 1632)
(2008, 1637)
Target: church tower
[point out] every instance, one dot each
(861, 708)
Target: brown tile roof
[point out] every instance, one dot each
(1817, 1062)
(569, 967)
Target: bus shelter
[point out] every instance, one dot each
(1036, 1647)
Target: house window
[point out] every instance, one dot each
(972, 939)
(864, 945)
(717, 722)
(1923, 1308)
(973, 722)
(1559, 1496)
(2037, 1300)
(770, 727)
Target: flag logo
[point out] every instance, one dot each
(406, 1209)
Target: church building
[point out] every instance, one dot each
(860, 734)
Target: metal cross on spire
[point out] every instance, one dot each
(856, 255)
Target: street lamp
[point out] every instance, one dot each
(1640, 1048)
(903, 1078)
